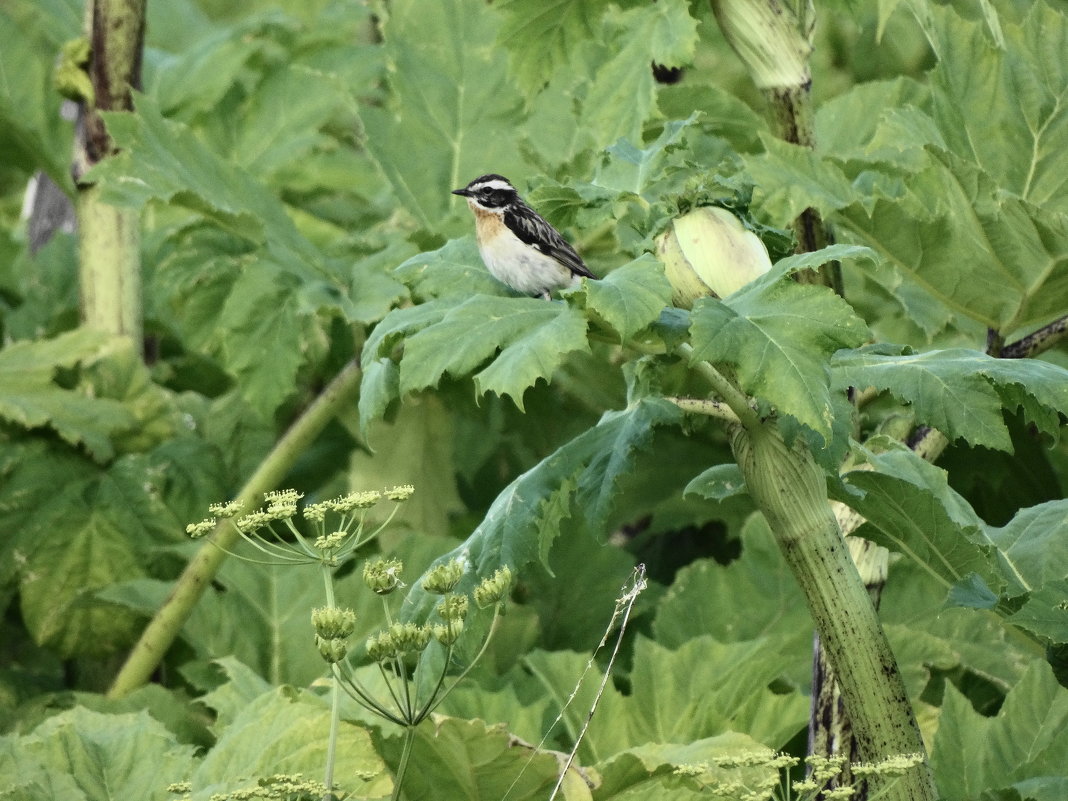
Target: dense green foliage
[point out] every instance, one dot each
(294, 166)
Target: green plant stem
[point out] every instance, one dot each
(709, 408)
(790, 489)
(198, 574)
(435, 699)
(735, 399)
(402, 767)
(109, 237)
(335, 698)
(331, 743)
(1035, 343)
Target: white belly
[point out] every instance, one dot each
(522, 268)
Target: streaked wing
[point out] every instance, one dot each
(531, 229)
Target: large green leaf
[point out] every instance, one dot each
(961, 392)
(630, 297)
(90, 756)
(531, 335)
(974, 220)
(754, 596)
(778, 335)
(1024, 742)
(162, 160)
(32, 397)
(452, 112)
(546, 32)
(523, 521)
(1016, 87)
(284, 731)
(662, 707)
(1031, 545)
(916, 513)
(622, 95)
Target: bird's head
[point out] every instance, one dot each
(489, 192)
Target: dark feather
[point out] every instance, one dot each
(531, 229)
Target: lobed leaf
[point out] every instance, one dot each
(452, 98)
(532, 338)
(32, 397)
(97, 757)
(779, 335)
(523, 521)
(1024, 742)
(961, 392)
(915, 512)
(631, 297)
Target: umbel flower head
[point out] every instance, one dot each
(382, 576)
(271, 529)
(444, 577)
(495, 588)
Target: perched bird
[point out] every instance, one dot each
(517, 245)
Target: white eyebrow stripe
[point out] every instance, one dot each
(494, 184)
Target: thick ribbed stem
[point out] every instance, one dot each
(790, 489)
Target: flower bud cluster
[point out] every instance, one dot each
(493, 589)
(443, 578)
(382, 576)
(333, 627)
(397, 640)
(195, 530)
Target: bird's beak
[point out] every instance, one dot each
(462, 192)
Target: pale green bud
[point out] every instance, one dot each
(195, 530)
(453, 607)
(444, 577)
(495, 588)
(380, 647)
(332, 650)
(383, 575)
(253, 521)
(331, 541)
(409, 637)
(227, 509)
(708, 251)
(355, 500)
(401, 492)
(448, 632)
(331, 622)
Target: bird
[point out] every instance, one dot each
(518, 246)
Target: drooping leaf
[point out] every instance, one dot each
(916, 513)
(96, 757)
(779, 335)
(961, 392)
(31, 396)
(630, 297)
(532, 338)
(523, 521)
(1024, 741)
